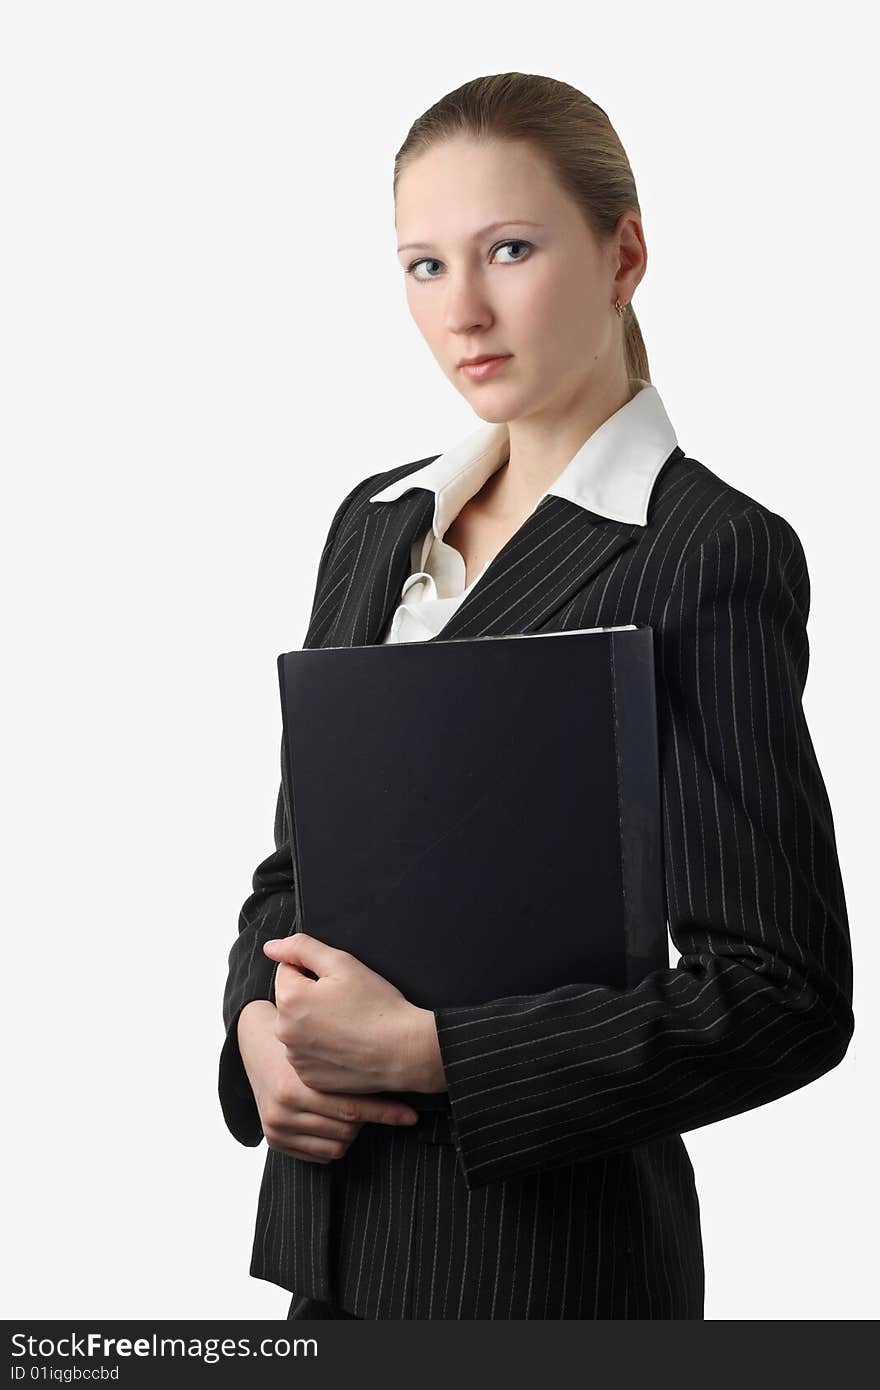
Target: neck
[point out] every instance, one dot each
(543, 444)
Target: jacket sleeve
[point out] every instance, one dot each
(269, 912)
(760, 1002)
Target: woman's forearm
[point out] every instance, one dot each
(256, 1023)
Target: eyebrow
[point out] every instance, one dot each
(492, 227)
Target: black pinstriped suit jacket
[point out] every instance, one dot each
(556, 1183)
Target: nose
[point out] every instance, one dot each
(467, 310)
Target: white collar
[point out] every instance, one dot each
(612, 474)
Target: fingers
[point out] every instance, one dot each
(385, 1114)
(317, 1150)
(320, 1138)
(361, 1109)
(356, 1109)
(309, 1136)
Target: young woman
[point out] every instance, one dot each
(554, 1181)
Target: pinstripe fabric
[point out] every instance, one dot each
(556, 1183)
(313, 1309)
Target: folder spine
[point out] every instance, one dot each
(287, 793)
(635, 727)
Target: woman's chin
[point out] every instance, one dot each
(495, 407)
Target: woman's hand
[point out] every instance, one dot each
(297, 1120)
(348, 1030)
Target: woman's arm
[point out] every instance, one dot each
(760, 1002)
(269, 911)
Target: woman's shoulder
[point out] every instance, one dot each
(716, 508)
(378, 482)
(358, 497)
(348, 517)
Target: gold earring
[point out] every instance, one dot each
(619, 307)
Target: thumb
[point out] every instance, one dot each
(300, 949)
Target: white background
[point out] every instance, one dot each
(205, 344)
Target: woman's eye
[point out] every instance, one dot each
(513, 243)
(411, 269)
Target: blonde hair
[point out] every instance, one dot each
(573, 134)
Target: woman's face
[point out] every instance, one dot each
(544, 293)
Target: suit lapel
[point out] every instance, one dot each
(381, 563)
(558, 549)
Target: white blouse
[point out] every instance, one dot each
(613, 474)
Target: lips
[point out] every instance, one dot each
(486, 367)
(485, 357)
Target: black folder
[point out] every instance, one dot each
(479, 817)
